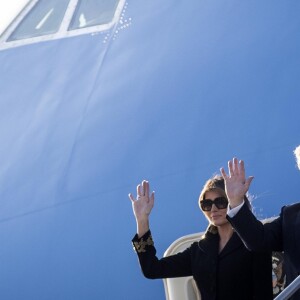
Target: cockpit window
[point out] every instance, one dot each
(45, 18)
(93, 12)
(42, 20)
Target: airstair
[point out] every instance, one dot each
(185, 288)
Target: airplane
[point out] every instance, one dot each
(96, 96)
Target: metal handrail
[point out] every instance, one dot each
(289, 290)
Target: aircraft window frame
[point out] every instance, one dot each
(64, 30)
(40, 20)
(84, 16)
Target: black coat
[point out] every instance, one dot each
(235, 273)
(282, 234)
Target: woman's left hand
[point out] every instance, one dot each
(236, 185)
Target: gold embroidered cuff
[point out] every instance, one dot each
(140, 245)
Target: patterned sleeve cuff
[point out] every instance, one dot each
(140, 244)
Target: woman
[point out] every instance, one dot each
(220, 264)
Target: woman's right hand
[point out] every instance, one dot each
(142, 206)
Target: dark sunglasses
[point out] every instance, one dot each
(220, 203)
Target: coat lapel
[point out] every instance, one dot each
(296, 229)
(234, 243)
(291, 232)
(210, 244)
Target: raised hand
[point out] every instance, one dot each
(142, 206)
(236, 184)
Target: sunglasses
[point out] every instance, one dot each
(220, 203)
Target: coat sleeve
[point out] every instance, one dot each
(177, 265)
(256, 235)
(262, 275)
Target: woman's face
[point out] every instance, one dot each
(215, 216)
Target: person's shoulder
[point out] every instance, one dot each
(292, 206)
(290, 210)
